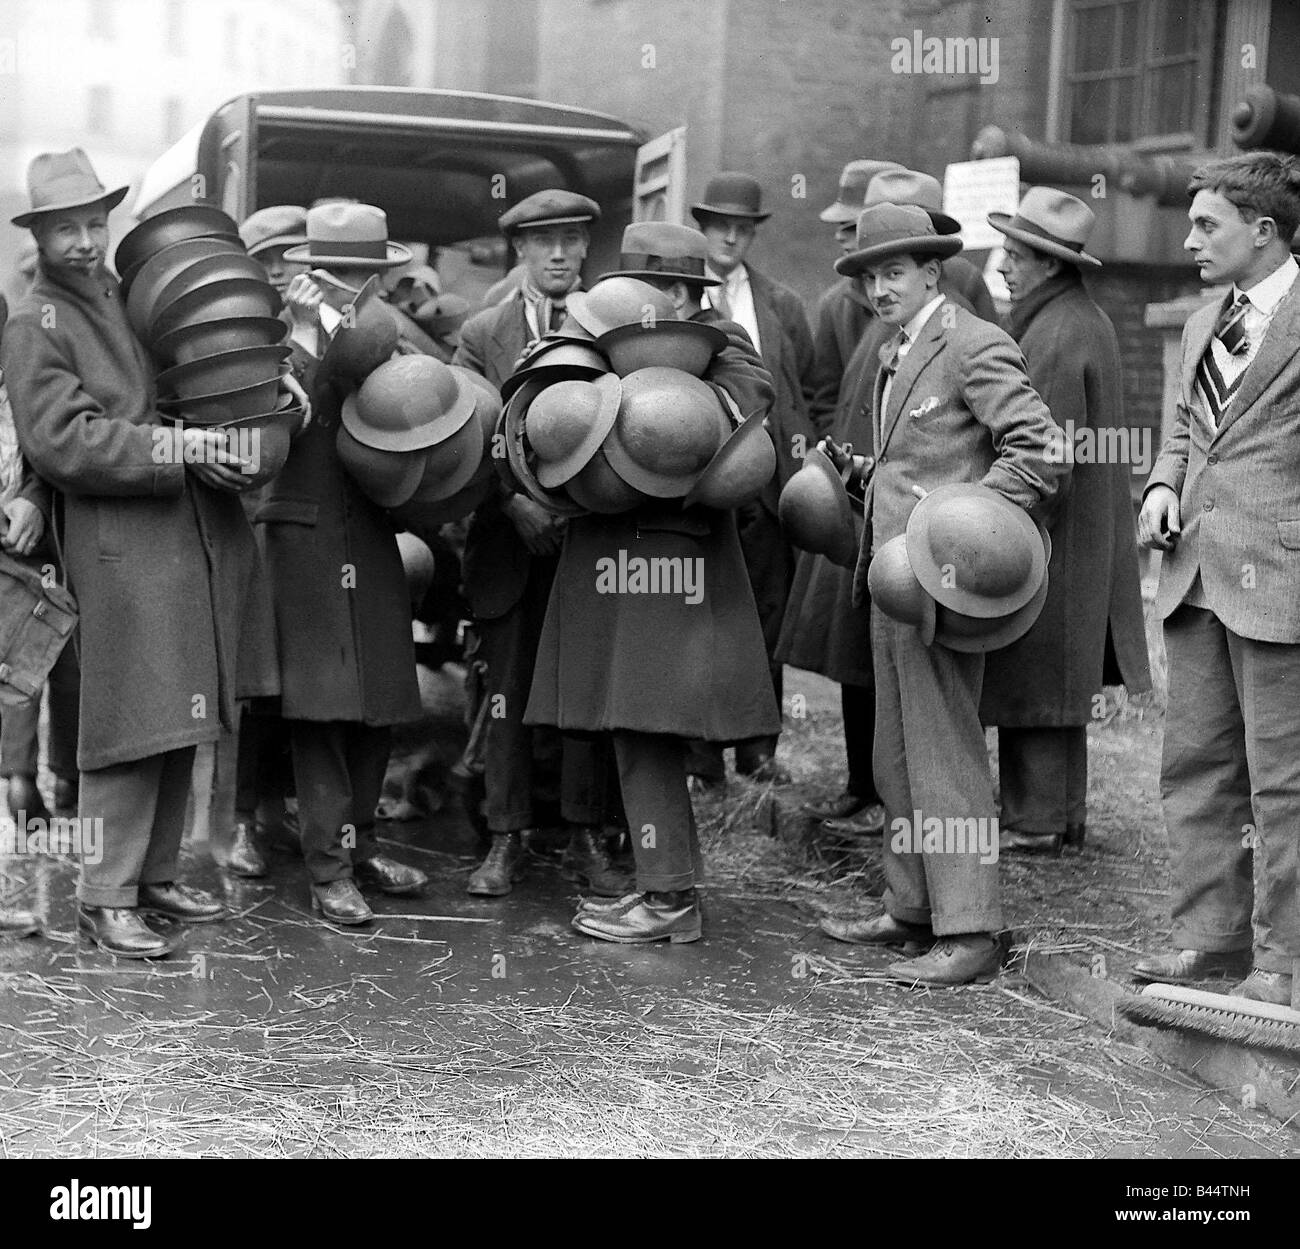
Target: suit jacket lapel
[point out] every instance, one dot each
(771, 334)
(1274, 352)
(918, 356)
(510, 336)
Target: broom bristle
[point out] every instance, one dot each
(1222, 1024)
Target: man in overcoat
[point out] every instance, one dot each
(774, 318)
(1041, 691)
(952, 403)
(342, 608)
(511, 552)
(1223, 504)
(159, 554)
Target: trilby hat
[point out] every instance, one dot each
(59, 180)
(1050, 221)
(893, 230)
(348, 235)
(911, 189)
(656, 250)
(854, 180)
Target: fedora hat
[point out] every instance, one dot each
(731, 194)
(973, 635)
(554, 207)
(975, 551)
(667, 430)
(57, 180)
(893, 230)
(912, 190)
(814, 511)
(280, 225)
(407, 403)
(349, 235)
(854, 179)
(743, 465)
(1050, 221)
(658, 250)
(172, 225)
(567, 423)
(893, 587)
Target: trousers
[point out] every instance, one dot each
(660, 821)
(142, 808)
(1230, 789)
(1043, 777)
(858, 708)
(931, 765)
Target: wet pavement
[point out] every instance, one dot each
(460, 1026)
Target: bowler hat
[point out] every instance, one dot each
(975, 551)
(854, 179)
(1050, 221)
(890, 230)
(348, 235)
(280, 225)
(731, 194)
(554, 207)
(658, 250)
(814, 511)
(913, 190)
(58, 180)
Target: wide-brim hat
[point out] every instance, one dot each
(854, 180)
(963, 533)
(61, 180)
(973, 635)
(349, 236)
(731, 194)
(740, 468)
(1050, 221)
(514, 468)
(663, 251)
(555, 473)
(891, 230)
(910, 189)
(815, 512)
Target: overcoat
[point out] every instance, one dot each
(822, 630)
(843, 314)
(342, 607)
(1091, 630)
(175, 621)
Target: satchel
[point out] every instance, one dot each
(36, 622)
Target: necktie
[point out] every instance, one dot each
(889, 358)
(1231, 327)
(557, 316)
(718, 301)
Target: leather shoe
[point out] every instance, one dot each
(121, 930)
(496, 875)
(586, 861)
(244, 858)
(16, 923)
(869, 822)
(25, 799)
(1265, 986)
(971, 958)
(1012, 840)
(651, 917)
(340, 901)
(881, 930)
(838, 808)
(389, 876)
(1189, 966)
(67, 792)
(1075, 835)
(184, 902)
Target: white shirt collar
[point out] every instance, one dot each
(1268, 292)
(736, 280)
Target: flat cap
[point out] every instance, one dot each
(281, 225)
(553, 207)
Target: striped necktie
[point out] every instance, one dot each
(1231, 332)
(1231, 327)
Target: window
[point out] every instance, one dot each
(99, 110)
(1137, 69)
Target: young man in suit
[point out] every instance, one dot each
(511, 553)
(952, 403)
(1223, 504)
(773, 316)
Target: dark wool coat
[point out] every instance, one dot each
(175, 622)
(342, 607)
(822, 631)
(843, 314)
(1091, 631)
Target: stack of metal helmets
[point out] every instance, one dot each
(609, 422)
(418, 432)
(970, 572)
(205, 311)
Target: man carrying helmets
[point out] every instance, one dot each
(952, 404)
(342, 608)
(511, 552)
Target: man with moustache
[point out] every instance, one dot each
(1223, 504)
(1040, 690)
(511, 553)
(773, 316)
(986, 425)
